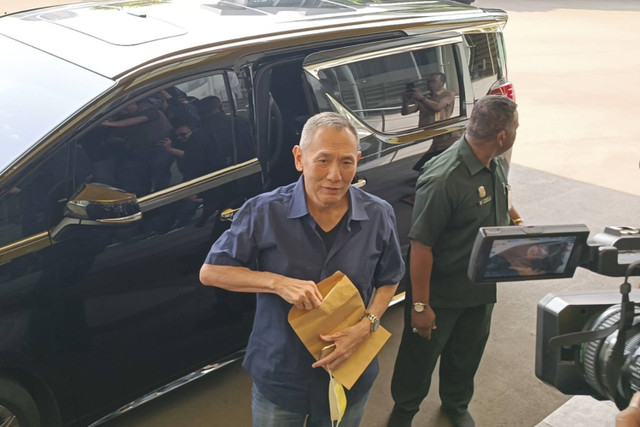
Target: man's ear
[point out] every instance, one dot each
(359, 156)
(297, 157)
(501, 137)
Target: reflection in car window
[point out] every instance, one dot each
(174, 135)
(36, 201)
(374, 89)
(484, 65)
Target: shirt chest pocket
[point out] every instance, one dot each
(474, 208)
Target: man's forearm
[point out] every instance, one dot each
(408, 109)
(381, 299)
(515, 216)
(420, 267)
(304, 294)
(237, 279)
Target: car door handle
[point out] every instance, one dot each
(228, 214)
(360, 183)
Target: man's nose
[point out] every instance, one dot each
(334, 171)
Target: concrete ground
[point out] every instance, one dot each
(574, 65)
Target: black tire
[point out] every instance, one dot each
(17, 407)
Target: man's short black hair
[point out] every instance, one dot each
(443, 76)
(490, 115)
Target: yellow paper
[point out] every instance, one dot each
(341, 307)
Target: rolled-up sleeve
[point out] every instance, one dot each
(236, 246)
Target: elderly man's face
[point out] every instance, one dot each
(328, 164)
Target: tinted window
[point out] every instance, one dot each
(374, 88)
(484, 61)
(36, 202)
(176, 134)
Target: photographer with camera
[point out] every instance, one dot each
(458, 192)
(434, 105)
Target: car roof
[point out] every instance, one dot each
(112, 38)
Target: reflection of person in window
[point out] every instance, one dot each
(434, 105)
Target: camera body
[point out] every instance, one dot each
(582, 369)
(587, 343)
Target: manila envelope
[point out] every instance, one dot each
(341, 307)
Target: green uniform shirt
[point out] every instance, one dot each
(455, 196)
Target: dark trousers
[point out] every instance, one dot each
(459, 339)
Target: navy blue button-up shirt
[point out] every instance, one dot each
(274, 232)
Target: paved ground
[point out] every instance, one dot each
(574, 66)
(573, 63)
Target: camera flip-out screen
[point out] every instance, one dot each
(505, 254)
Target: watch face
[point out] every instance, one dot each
(419, 308)
(375, 322)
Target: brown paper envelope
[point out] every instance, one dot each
(341, 307)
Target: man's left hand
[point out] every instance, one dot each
(346, 341)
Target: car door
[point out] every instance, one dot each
(108, 234)
(367, 83)
(149, 320)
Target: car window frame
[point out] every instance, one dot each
(322, 60)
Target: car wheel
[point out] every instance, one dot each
(17, 408)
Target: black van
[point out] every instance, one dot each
(131, 131)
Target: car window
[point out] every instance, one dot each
(484, 61)
(379, 88)
(175, 134)
(35, 202)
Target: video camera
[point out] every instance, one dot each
(578, 350)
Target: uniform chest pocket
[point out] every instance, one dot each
(474, 209)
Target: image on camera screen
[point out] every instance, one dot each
(534, 256)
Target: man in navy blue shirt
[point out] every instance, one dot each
(280, 245)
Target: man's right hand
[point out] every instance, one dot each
(424, 322)
(303, 294)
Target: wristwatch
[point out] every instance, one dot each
(375, 321)
(419, 307)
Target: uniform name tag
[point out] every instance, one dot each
(484, 201)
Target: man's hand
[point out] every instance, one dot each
(630, 417)
(303, 294)
(346, 343)
(424, 322)
(417, 94)
(165, 144)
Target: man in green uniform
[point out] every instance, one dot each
(457, 192)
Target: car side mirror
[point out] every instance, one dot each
(97, 205)
(104, 204)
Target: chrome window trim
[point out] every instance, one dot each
(314, 69)
(24, 246)
(202, 183)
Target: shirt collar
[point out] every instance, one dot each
(299, 209)
(298, 206)
(469, 158)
